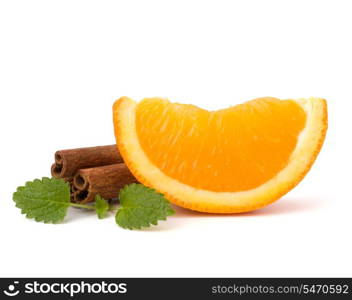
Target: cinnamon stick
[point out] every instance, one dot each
(105, 181)
(68, 162)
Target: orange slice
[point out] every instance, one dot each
(227, 161)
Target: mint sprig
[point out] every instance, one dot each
(47, 200)
(101, 207)
(141, 206)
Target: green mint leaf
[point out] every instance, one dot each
(141, 206)
(45, 200)
(101, 207)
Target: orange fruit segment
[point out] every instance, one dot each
(227, 161)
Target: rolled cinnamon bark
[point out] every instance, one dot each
(105, 181)
(68, 162)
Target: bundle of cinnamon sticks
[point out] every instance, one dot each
(91, 171)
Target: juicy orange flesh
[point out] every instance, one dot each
(229, 150)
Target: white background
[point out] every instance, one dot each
(62, 65)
